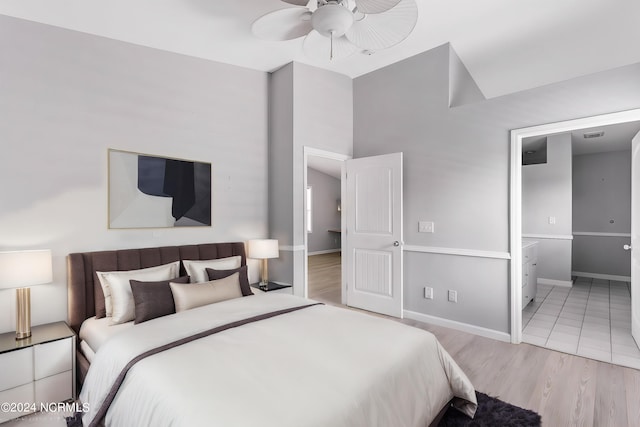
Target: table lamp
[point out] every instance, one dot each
(263, 249)
(19, 269)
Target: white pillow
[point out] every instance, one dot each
(118, 299)
(192, 295)
(197, 270)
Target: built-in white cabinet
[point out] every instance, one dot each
(529, 271)
(36, 370)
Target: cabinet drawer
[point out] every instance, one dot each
(526, 295)
(17, 368)
(22, 395)
(56, 388)
(530, 254)
(53, 358)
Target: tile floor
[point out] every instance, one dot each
(590, 319)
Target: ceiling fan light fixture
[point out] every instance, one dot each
(332, 20)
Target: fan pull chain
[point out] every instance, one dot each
(331, 51)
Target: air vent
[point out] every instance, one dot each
(593, 134)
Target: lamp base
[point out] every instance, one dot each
(23, 313)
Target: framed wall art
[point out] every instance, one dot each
(148, 191)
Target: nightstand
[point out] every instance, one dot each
(37, 370)
(275, 287)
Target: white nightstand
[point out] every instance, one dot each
(36, 370)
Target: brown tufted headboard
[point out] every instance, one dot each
(83, 286)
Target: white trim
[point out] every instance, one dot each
(554, 282)
(601, 276)
(457, 251)
(548, 236)
(459, 326)
(515, 196)
(291, 248)
(326, 251)
(598, 234)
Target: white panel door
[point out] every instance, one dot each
(374, 233)
(635, 238)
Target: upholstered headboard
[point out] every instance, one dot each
(84, 288)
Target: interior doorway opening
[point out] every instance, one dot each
(516, 222)
(324, 225)
(576, 222)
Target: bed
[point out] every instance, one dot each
(268, 360)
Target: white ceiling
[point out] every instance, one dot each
(616, 138)
(327, 166)
(507, 45)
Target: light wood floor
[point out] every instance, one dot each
(325, 277)
(565, 390)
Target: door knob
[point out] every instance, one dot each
(396, 243)
(627, 247)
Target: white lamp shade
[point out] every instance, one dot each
(20, 269)
(263, 248)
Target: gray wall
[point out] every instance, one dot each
(281, 171)
(602, 194)
(324, 214)
(66, 97)
(456, 170)
(310, 107)
(546, 192)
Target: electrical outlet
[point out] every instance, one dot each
(453, 296)
(552, 220)
(426, 227)
(428, 292)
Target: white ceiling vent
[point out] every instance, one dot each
(593, 134)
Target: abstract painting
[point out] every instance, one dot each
(147, 191)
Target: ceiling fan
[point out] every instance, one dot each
(338, 28)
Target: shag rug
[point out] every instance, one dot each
(491, 412)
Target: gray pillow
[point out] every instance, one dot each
(244, 277)
(153, 299)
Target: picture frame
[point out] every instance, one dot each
(151, 191)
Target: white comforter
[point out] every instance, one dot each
(318, 366)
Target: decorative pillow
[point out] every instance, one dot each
(244, 278)
(196, 269)
(192, 295)
(161, 272)
(153, 299)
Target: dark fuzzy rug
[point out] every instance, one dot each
(492, 412)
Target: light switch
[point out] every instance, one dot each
(426, 227)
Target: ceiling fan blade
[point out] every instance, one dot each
(283, 24)
(297, 2)
(375, 6)
(317, 46)
(382, 30)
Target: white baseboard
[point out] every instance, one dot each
(459, 326)
(601, 276)
(553, 282)
(326, 251)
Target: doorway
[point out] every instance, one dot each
(576, 221)
(518, 276)
(323, 184)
